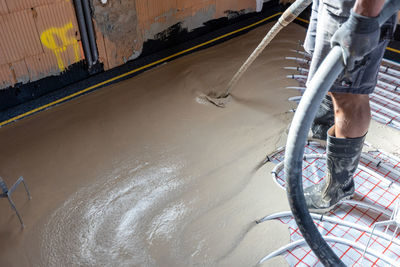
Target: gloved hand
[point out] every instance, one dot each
(358, 36)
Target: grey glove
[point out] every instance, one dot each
(358, 36)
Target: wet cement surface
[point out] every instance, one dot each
(145, 173)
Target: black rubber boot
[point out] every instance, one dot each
(324, 119)
(343, 156)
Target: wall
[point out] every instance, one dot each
(38, 38)
(123, 26)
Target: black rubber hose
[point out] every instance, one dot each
(317, 89)
(323, 79)
(90, 30)
(84, 35)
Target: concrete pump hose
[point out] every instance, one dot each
(288, 16)
(323, 79)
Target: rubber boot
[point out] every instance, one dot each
(324, 119)
(343, 156)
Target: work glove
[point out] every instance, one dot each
(357, 37)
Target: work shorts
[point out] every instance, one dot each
(326, 17)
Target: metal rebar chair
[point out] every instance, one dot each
(6, 193)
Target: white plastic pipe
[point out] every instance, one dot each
(333, 220)
(336, 240)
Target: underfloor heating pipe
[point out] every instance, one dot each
(339, 240)
(385, 72)
(384, 69)
(381, 92)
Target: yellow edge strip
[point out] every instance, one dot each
(132, 71)
(393, 50)
(303, 20)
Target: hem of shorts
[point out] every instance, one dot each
(356, 91)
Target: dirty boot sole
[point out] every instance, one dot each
(326, 210)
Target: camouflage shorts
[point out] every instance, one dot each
(326, 18)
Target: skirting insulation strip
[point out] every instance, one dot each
(377, 182)
(385, 101)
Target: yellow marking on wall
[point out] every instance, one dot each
(49, 39)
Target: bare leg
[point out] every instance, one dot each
(352, 114)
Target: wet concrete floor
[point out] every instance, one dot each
(145, 173)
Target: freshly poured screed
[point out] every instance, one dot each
(146, 173)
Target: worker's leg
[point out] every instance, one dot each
(342, 157)
(352, 114)
(309, 41)
(344, 145)
(325, 20)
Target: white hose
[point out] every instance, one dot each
(287, 17)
